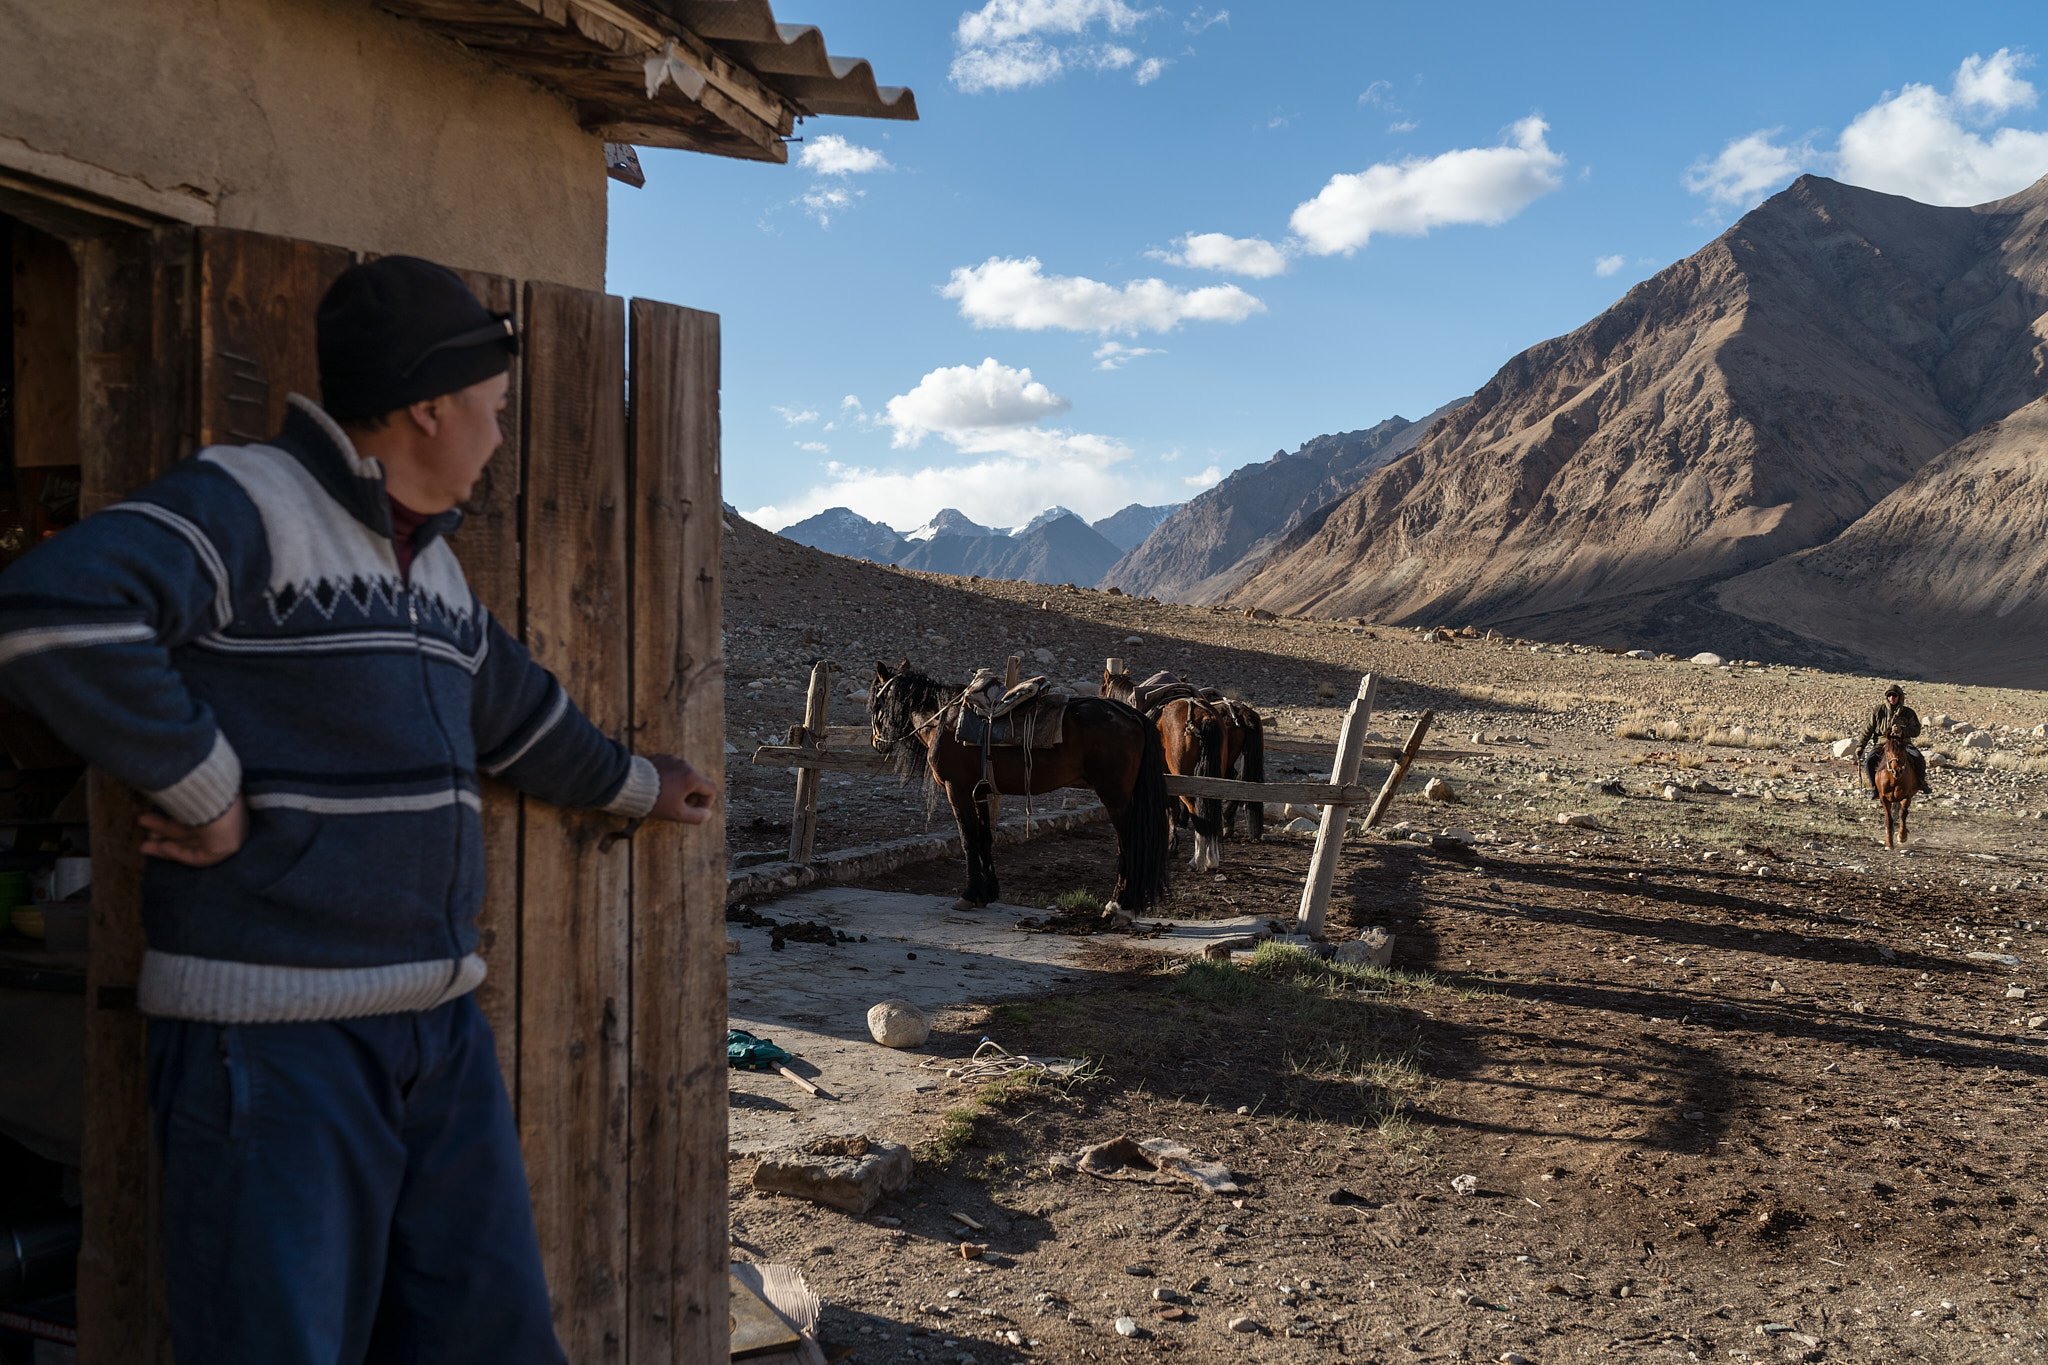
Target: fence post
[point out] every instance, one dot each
(1393, 784)
(1322, 866)
(803, 821)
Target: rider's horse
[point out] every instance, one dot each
(1102, 745)
(1897, 784)
(1205, 734)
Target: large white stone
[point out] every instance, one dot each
(898, 1023)
(1843, 748)
(1979, 739)
(1711, 660)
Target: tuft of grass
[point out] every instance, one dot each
(960, 1127)
(1084, 901)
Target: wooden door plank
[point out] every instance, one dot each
(574, 1000)
(257, 295)
(679, 1292)
(489, 547)
(137, 371)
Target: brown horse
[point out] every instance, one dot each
(1103, 745)
(1206, 735)
(1897, 784)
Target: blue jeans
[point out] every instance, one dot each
(345, 1193)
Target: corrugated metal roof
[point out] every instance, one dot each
(717, 76)
(791, 59)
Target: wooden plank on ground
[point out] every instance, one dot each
(677, 1288)
(137, 357)
(1322, 865)
(574, 930)
(488, 545)
(256, 299)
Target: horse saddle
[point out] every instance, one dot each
(1017, 716)
(1163, 687)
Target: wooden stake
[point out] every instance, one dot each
(789, 1075)
(803, 820)
(1322, 866)
(1408, 752)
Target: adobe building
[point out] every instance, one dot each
(179, 181)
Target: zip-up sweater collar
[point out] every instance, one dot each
(355, 481)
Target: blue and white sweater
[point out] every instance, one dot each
(240, 626)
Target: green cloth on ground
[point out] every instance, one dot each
(744, 1050)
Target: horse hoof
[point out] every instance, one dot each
(965, 904)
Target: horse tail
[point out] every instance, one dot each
(1208, 816)
(1251, 767)
(1142, 829)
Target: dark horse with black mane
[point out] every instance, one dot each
(1102, 745)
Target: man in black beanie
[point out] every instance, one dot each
(275, 644)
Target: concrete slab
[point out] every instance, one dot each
(812, 999)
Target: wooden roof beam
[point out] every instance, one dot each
(732, 93)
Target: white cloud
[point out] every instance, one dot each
(826, 204)
(960, 401)
(1748, 167)
(1914, 143)
(1992, 85)
(1918, 142)
(1009, 67)
(1012, 44)
(1406, 125)
(1007, 292)
(815, 447)
(1603, 266)
(1114, 355)
(1201, 20)
(832, 154)
(1003, 21)
(851, 403)
(1208, 478)
(796, 417)
(1253, 256)
(1486, 185)
(1378, 95)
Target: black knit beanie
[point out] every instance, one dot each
(400, 330)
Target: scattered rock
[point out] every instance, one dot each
(1260, 614)
(1436, 789)
(1670, 792)
(2038, 1022)
(898, 1023)
(1578, 819)
(1128, 1327)
(1465, 1184)
(1640, 654)
(1979, 739)
(1710, 659)
(2002, 959)
(1604, 788)
(1373, 947)
(1246, 1324)
(1303, 825)
(1042, 655)
(848, 1173)
(1843, 748)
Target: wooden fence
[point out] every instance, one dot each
(817, 746)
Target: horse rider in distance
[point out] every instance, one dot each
(1893, 711)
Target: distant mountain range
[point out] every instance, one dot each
(1210, 543)
(1056, 546)
(1820, 437)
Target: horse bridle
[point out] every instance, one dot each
(882, 743)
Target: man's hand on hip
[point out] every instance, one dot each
(202, 845)
(685, 794)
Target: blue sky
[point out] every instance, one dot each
(1256, 223)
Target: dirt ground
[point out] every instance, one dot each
(1730, 1081)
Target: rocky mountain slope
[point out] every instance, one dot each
(1209, 543)
(1747, 403)
(843, 531)
(1947, 577)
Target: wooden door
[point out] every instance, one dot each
(595, 539)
